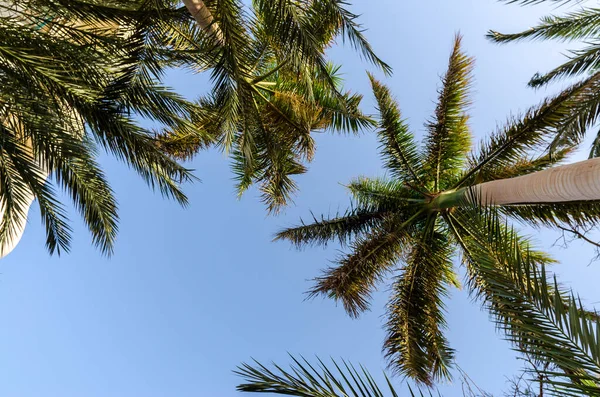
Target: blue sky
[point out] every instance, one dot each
(190, 293)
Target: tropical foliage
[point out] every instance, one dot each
(75, 76)
(581, 24)
(272, 87)
(79, 75)
(306, 379)
(544, 324)
(414, 222)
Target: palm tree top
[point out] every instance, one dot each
(413, 222)
(272, 88)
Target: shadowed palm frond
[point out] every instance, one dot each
(355, 275)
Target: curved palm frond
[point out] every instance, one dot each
(356, 274)
(581, 24)
(309, 380)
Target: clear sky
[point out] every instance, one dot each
(190, 293)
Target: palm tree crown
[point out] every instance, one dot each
(272, 87)
(414, 222)
(75, 75)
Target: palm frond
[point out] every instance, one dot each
(415, 344)
(289, 23)
(355, 275)
(581, 24)
(383, 194)
(344, 22)
(398, 147)
(341, 228)
(557, 122)
(449, 138)
(580, 62)
(310, 380)
(73, 72)
(82, 177)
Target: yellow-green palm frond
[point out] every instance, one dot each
(449, 138)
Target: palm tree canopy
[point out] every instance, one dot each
(75, 77)
(272, 87)
(583, 25)
(413, 223)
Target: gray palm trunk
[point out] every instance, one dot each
(573, 182)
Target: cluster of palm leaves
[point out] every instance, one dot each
(75, 75)
(78, 76)
(272, 88)
(580, 24)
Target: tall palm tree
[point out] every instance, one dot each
(582, 24)
(272, 86)
(74, 74)
(414, 222)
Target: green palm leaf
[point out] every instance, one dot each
(308, 380)
(415, 344)
(448, 139)
(397, 142)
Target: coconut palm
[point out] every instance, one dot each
(272, 87)
(582, 24)
(413, 222)
(74, 75)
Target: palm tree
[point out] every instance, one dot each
(583, 24)
(272, 87)
(74, 74)
(414, 222)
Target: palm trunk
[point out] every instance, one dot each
(573, 182)
(14, 235)
(204, 17)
